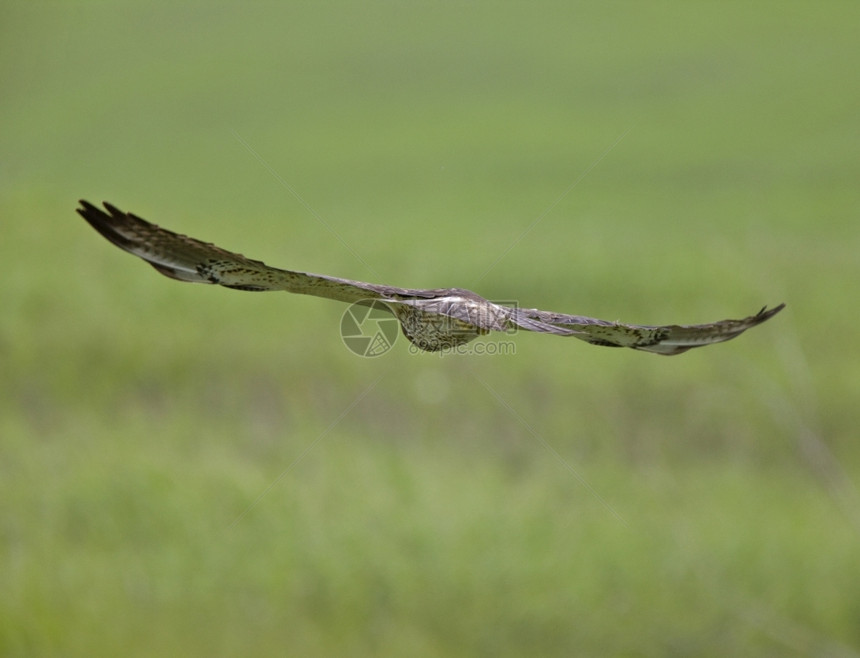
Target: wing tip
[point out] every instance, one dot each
(106, 224)
(113, 210)
(766, 314)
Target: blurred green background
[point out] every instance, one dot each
(189, 470)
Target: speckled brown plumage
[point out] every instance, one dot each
(433, 320)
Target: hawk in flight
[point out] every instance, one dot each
(433, 320)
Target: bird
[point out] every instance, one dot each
(432, 320)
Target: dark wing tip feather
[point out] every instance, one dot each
(683, 338)
(113, 210)
(121, 228)
(765, 314)
(103, 223)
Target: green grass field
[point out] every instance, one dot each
(188, 470)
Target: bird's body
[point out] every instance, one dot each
(452, 319)
(432, 319)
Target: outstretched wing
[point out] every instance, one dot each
(668, 340)
(186, 259)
